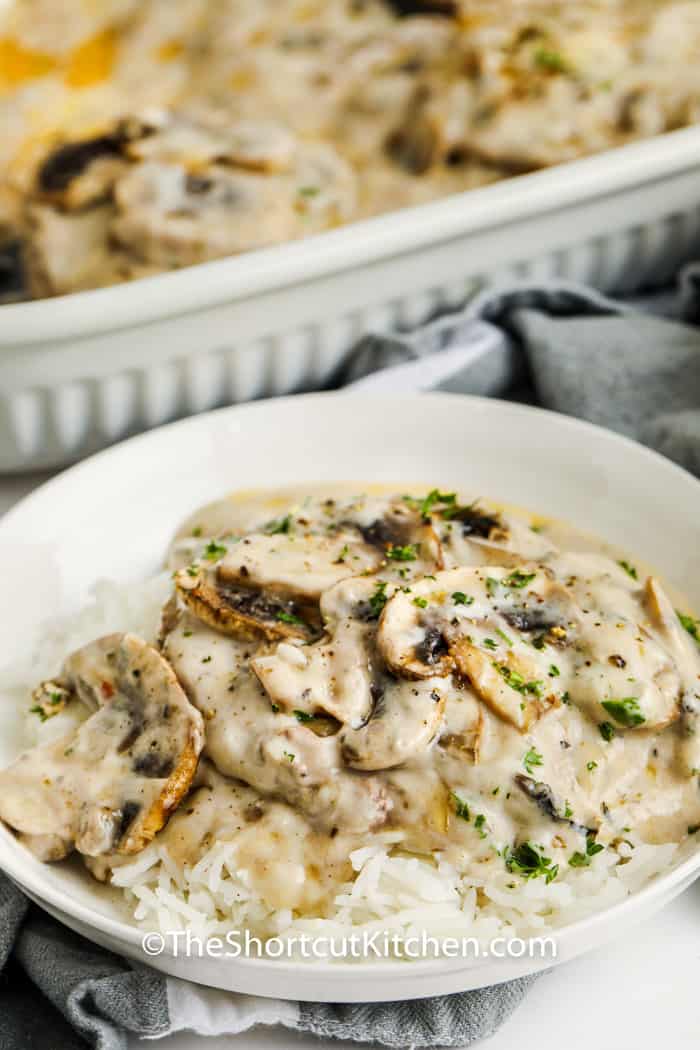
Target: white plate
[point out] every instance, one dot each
(113, 516)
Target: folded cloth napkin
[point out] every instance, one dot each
(632, 367)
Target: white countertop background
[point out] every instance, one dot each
(640, 993)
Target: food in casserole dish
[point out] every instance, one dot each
(141, 137)
(359, 709)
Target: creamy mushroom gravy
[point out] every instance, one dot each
(269, 120)
(448, 677)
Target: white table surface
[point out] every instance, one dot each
(640, 993)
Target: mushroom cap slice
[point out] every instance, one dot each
(479, 621)
(243, 611)
(404, 721)
(111, 784)
(298, 564)
(336, 674)
(508, 688)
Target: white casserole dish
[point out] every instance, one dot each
(82, 371)
(113, 516)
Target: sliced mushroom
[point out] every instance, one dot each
(463, 619)
(243, 611)
(112, 783)
(402, 535)
(298, 564)
(510, 687)
(543, 796)
(336, 674)
(282, 754)
(404, 721)
(471, 535)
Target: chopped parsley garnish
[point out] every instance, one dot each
(568, 811)
(532, 758)
(491, 585)
(607, 731)
(435, 498)
(525, 860)
(193, 570)
(516, 681)
(626, 711)
(303, 716)
(289, 756)
(479, 824)
(582, 860)
(461, 808)
(197, 531)
(460, 598)
(690, 624)
(275, 708)
(206, 659)
(407, 553)
(37, 710)
(554, 671)
(550, 61)
(420, 602)
(490, 644)
(590, 766)
(379, 599)
(213, 551)
(629, 569)
(504, 637)
(518, 579)
(340, 560)
(280, 526)
(287, 617)
(308, 191)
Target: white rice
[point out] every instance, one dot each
(408, 895)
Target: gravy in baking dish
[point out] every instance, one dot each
(143, 136)
(454, 676)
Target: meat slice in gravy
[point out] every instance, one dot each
(112, 784)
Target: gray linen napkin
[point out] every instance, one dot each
(632, 367)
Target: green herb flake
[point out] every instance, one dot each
(281, 526)
(626, 711)
(590, 766)
(407, 553)
(303, 716)
(193, 570)
(461, 808)
(287, 617)
(526, 860)
(582, 860)
(532, 758)
(550, 61)
(607, 731)
(629, 569)
(518, 579)
(460, 598)
(504, 637)
(690, 624)
(490, 644)
(420, 602)
(213, 551)
(554, 671)
(379, 599)
(516, 681)
(480, 824)
(197, 531)
(289, 756)
(308, 191)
